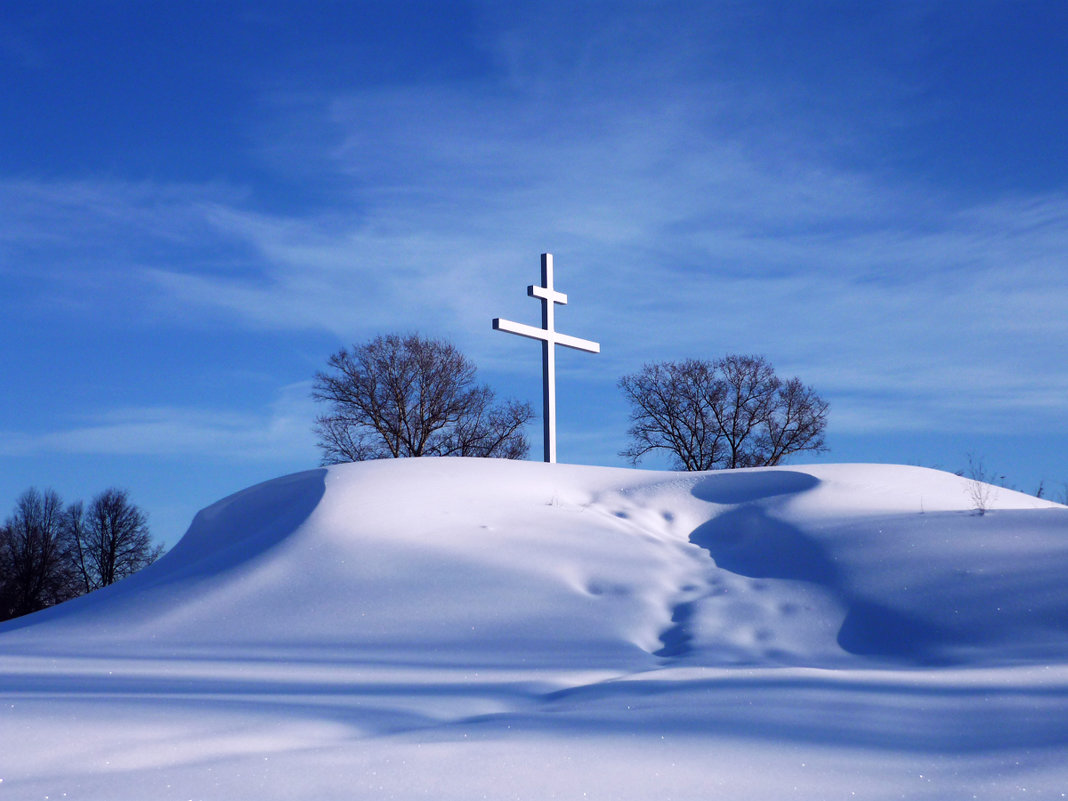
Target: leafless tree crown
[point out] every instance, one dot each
(109, 541)
(734, 412)
(50, 554)
(35, 571)
(409, 396)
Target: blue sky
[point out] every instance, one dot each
(199, 202)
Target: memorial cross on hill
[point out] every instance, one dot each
(550, 338)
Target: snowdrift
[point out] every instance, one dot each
(446, 626)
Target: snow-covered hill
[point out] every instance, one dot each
(479, 628)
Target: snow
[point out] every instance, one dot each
(459, 629)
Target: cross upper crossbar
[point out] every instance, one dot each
(547, 293)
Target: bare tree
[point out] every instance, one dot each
(734, 412)
(408, 396)
(35, 570)
(981, 487)
(108, 541)
(670, 412)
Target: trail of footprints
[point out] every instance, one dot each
(722, 617)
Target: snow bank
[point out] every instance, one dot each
(820, 629)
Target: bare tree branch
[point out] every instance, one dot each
(407, 396)
(110, 540)
(35, 571)
(734, 412)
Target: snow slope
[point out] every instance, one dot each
(455, 628)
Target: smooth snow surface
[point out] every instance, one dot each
(462, 629)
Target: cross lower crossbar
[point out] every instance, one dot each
(554, 337)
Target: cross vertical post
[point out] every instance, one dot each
(549, 338)
(548, 357)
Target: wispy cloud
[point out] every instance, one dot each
(282, 432)
(853, 292)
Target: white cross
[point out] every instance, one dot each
(549, 340)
